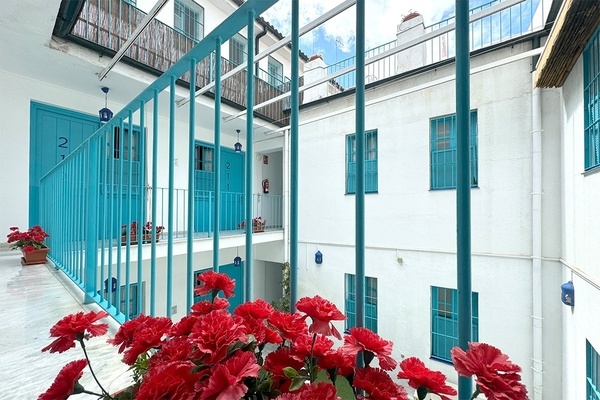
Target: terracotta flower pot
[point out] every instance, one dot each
(35, 257)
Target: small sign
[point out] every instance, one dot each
(266, 160)
(113, 285)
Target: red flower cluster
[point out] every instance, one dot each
(32, 239)
(497, 377)
(214, 282)
(213, 355)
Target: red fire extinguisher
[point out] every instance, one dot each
(265, 185)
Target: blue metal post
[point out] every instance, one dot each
(154, 199)
(170, 216)
(217, 188)
(463, 187)
(360, 166)
(294, 127)
(91, 244)
(142, 203)
(129, 216)
(249, 155)
(191, 187)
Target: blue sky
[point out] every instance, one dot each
(334, 40)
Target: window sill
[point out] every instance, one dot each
(443, 361)
(352, 194)
(450, 188)
(591, 171)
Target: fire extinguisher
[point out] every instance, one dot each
(265, 185)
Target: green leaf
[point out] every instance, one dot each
(296, 383)
(344, 390)
(290, 372)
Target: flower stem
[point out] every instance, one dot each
(104, 392)
(310, 359)
(475, 393)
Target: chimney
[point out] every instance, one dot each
(411, 27)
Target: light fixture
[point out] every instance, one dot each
(237, 261)
(238, 146)
(318, 257)
(105, 113)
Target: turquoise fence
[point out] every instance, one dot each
(105, 222)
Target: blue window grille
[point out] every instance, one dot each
(370, 302)
(371, 185)
(444, 321)
(591, 77)
(275, 72)
(189, 19)
(134, 309)
(237, 49)
(443, 151)
(592, 374)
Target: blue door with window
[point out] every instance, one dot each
(55, 132)
(236, 273)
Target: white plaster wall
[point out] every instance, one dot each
(581, 252)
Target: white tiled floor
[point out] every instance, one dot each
(33, 298)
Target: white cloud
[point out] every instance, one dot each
(381, 19)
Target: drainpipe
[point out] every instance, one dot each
(257, 46)
(536, 233)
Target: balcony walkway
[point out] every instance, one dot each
(34, 298)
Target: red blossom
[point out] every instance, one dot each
(206, 306)
(258, 309)
(363, 339)
(175, 349)
(32, 239)
(314, 391)
(289, 326)
(419, 376)
(322, 312)
(378, 384)
(276, 361)
(140, 335)
(213, 282)
(174, 380)
(261, 332)
(303, 344)
(184, 326)
(74, 327)
(214, 332)
(344, 363)
(226, 380)
(64, 383)
(497, 377)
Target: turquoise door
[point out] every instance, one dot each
(232, 187)
(233, 272)
(54, 133)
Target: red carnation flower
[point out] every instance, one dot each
(344, 363)
(258, 309)
(290, 326)
(64, 383)
(322, 312)
(419, 376)
(304, 343)
(74, 327)
(261, 332)
(140, 335)
(170, 381)
(276, 361)
(314, 391)
(363, 339)
(213, 282)
(206, 306)
(378, 384)
(184, 326)
(497, 377)
(226, 380)
(214, 332)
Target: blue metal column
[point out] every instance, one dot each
(294, 142)
(141, 207)
(360, 163)
(191, 187)
(463, 187)
(91, 243)
(154, 199)
(217, 208)
(129, 217)
(249, 155)
(171, 195)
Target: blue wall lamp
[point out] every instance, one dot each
(237, 261)
(319, 257)
(567, 295)
(105, 113)
(237, 146)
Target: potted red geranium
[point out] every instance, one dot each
(31, 243)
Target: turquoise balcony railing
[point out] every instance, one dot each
(107, 24)
(94, 195)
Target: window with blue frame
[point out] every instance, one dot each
(370, 162)
(370, 302)
(592, 374)
(443, 151)
(444, 321)
(189, 19)
(275, 72)
(134, 310)
(591, 82)
(237, 49)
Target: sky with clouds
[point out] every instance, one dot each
(335, 39)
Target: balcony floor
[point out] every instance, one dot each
(34, 298)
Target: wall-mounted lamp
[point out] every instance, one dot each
(567, 294)
(237, 261)
(237, 146)
(318, 257)
(105, 113)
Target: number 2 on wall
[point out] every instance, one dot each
(63, 145)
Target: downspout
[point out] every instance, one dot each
(536, 238)
(257, 46)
